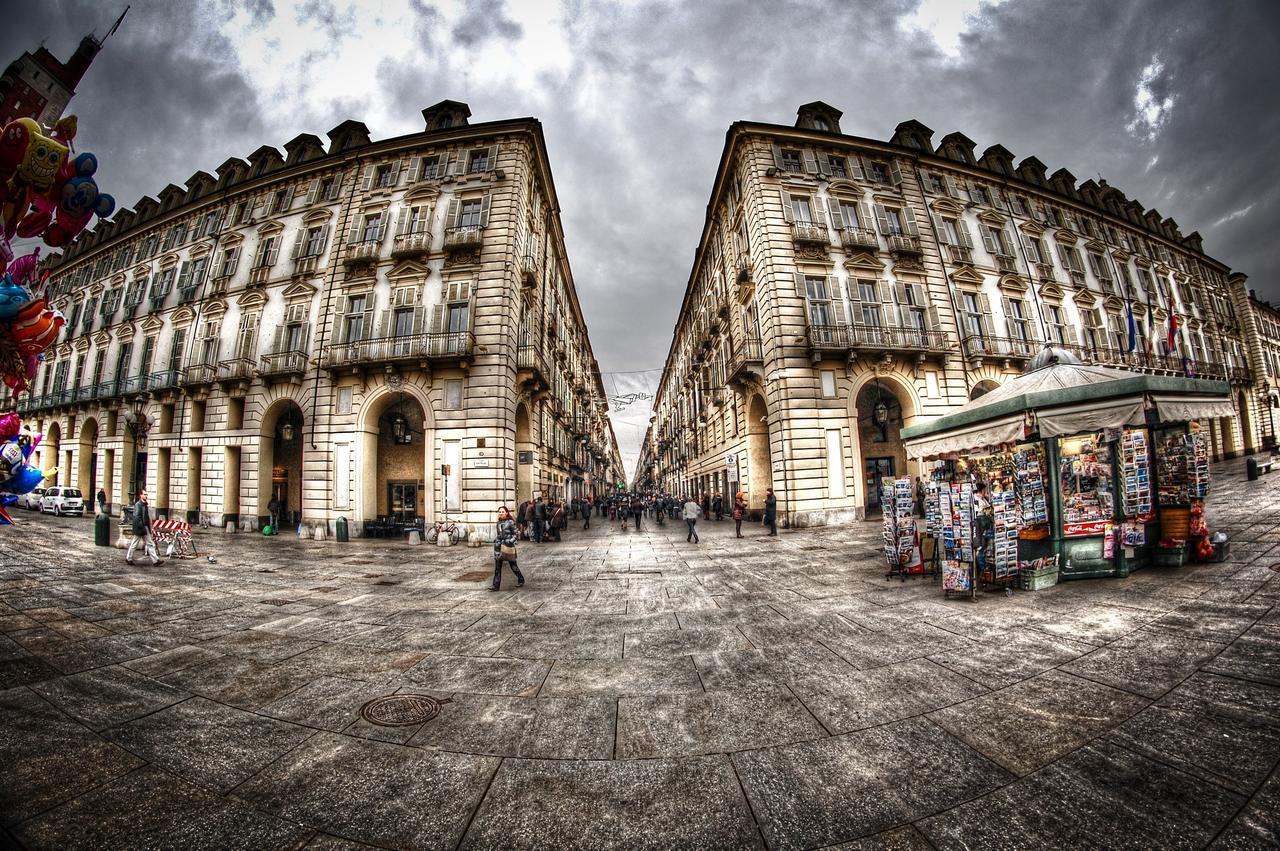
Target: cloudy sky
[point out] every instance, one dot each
(1172, 101)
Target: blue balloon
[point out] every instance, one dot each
(13, 297)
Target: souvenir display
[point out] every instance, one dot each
(901, 541)
(1028, 476)
(1005, 532)
(956, 505)
(1182, 463)
(932, 514)
(1135, 470)
(1086, 486)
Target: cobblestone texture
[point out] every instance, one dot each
(637, 692)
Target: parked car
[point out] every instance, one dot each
(60, 501)
(31, 500)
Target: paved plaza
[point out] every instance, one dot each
(638, 692)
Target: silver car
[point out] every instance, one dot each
(31, 500)
(60, 501)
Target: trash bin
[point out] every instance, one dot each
(340, 530)
(102, 530)
(1251, 469)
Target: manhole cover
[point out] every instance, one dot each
(473, 576)
(400, 710)
(278, 602)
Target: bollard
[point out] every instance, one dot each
(102, 530)
(231, 526)
(444, 540)
(1251, 470)
(319, 533)
(415, 538)
(340, 530)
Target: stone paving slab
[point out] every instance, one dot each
(637, 692)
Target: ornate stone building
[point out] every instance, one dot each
(1263, 335)
(370, 330)
(844, 287)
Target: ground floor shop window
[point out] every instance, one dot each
(1087, 490)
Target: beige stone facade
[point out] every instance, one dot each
(845, 288)
(368, 330)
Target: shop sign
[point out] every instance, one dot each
(525, 457)
(1084, 530)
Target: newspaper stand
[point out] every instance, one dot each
(901, 537)
(955, 504)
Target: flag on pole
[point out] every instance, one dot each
(1149, 330)
(1171, 343)
(1133, 329)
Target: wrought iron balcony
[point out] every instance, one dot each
(1044, 271)
(1240, 375)
(529, 270)
(167, 379)
(237, 369)
(904, 244)
(284, 364)
(813, 233)
(468, 236)
(1006, 263)
(530, 362)
(960, 254)
(306, 265)
(443, 346)
(747, 356)
(411, 244)
(186, 295)
(199, 373)
(986, 346)
(219, 285)
(859, 239)
(259, 275)
(879, 338)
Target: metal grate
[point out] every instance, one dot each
(400, 710)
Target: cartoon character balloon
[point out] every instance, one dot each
(28, 326)
(16, 475)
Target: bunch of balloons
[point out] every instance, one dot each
(46, 192)
(28, 325)
(16, 475)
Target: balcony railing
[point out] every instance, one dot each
(467, 236)
(1044, 271)
(411, 244)
(838, 338)
(859, 239)
(186, 295)
(810, 232)
(306, 265)
(1240, 374)
(960, 254)
(975, 346)
(259, 275)
(237, 369)
(530, 358)
(199, 373)
(904, 244)
(362, 252)
(449, 345)
(1006, 263)
(164, 380)
(219, 285)
(284, 363)
(746, 353)
(529, 269)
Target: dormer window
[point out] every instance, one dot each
(446, 121)
(820, 123)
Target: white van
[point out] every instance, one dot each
(60, 501)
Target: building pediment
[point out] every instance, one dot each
(409, 269)
(1096, 245)
(142, 270)
(214, 307)
(317, 217)
(252, 298)
(125, 332)
(947, 206)
(1084, 297)
(270, 228)
(1066, 236)
(864, 261)
(102, 338)
(201, 249)
(423, 192)
(1113, 304)
(844, 184)
(152, 324)
(182, 316)
(967, 275)
(992, 217)
(231, 240)
(1049, 290)
(299, 290)
(169, 260)
(1013, 283)
(62, 351)
(1031, 227)
(81, 345)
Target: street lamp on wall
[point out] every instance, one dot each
(400, 429)
(286, 432)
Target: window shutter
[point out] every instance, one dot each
(940, 228)
(402, 222)
(395, 173)
(926, 182)
(287, 202)
(798, 280)
(788, 215)
(888, 307)
(895, 172)
(353, 235)
(855, 297)
(900, 292)
(437, 319)
(273, 251)
(419, 320)
(277, 345)
(997, 200)
(367, 325)
(864, 216)
(883, 219)
(988, 240)
(368, 178)
(451, 219)
(313, 193)
(386, 325)
(1007, 306)
(340, 322)
(919, 294)
(382, 228)
(777, 156)
(855, 167)
(909, 221)
(837, 220)
(810, 162)
(950, 183)
(931, 318)
(1070, 336)
(458, 164)
(484, 210)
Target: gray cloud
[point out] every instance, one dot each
(636, 115)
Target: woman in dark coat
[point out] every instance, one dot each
(504, 549)
(771, 513)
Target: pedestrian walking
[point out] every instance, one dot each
(771, 513)
(273, 508)
(706, 504)
(919, 497)
(504, 549)
(102, 501)
(558, 520)
(142, 531)
(691, 512)
(637, 511)
(586, 513)
(739, 511)
(539, 519)
(717, 505)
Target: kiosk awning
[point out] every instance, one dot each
(1113, 413)
(965, 440)
(1177, 408)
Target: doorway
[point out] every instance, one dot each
(877, 470)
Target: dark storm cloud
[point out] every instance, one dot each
(636, 106)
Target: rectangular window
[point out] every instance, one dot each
(972, 315)
(315, 241)
(471, 212)
(893, 217)
(1018, 321)
(819, 301)
(801, 210)
(372, 226)
(852, 216)
(458, 318)
(230, 258)
(280, 202)
(356, 330)
(828, 384)
(835, 463)
(791, 160)
(346, 396)
(877, 172)
(935, 184)
(429, 168)
(931, 387)
(382, 177)
(478, 160)
(837, 166)
(403, 320)
(453, 394)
